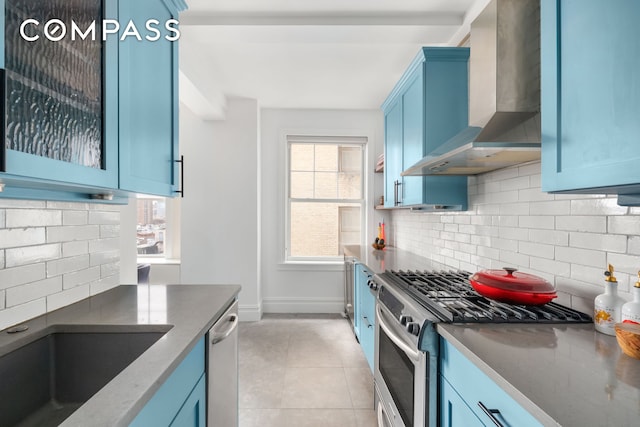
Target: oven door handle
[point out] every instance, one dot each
(411, 353)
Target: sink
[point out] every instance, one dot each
(44, 381)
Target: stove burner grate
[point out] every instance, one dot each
(449, 295)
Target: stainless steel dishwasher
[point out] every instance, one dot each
(222, 370)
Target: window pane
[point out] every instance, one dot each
(326, 185)
(151, 225)
(349, 186)
(301, 185)
(301, 157)
(326, 157)
(321, 229)
(351, 159)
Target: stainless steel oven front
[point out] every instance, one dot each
(405, 395)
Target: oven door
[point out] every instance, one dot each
(400, 374)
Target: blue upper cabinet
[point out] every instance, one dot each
(590, 96)
(148, 116)
(88, 119)
(428, 105)
(60, 102)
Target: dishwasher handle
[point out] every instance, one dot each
(232, 318)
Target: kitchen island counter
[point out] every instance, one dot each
(190, 310)
(564, 375)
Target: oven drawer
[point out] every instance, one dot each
(476, 389)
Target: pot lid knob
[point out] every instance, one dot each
(510, 270)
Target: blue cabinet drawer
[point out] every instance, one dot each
(475, 387)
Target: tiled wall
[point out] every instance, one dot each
(567, 239)
(53, 254)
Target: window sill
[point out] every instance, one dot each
(158, 260)
(311, 266)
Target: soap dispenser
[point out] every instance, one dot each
(608, 306)
(631, 309)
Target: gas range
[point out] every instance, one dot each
(449, 297)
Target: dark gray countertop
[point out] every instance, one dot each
(564, 375)
(190, 309)
(391, 258)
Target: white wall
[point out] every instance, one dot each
(293, 289)
(53, 254)
(567, 239)
(220, 208)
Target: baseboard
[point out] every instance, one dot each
(302, 305)
(249, 313)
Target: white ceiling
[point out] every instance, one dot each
(339, 54)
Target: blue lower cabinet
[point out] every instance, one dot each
(454, 411)
(193, 412)
(180, 401)
(474, 388)
(365, 305)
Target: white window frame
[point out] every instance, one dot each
(172, 232)
(347, 138)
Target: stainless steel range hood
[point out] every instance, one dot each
(504, 98)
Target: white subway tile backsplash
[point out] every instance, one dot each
(22, 218)
(99, 258)
(587, 257)
(107, 231)
(554, 207)
(69, 233)
(551, 237)
(104, 245)
(14, 315)
(17, 237)
(46, 247)
(588, 224)
(624, 225)
(103, 217)
(31, 291)
(517, 183)
(603, 242)
(544, 222)
(68, 296)
(606, 206)
(11, 203)
(32, 254)
(80, 277)
(79, 247)
(104, 284)
(15, 276)
(75, 218)
(67, 265)
(536, 249)
(514, 259)
(565, 238)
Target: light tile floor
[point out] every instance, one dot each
(303, 371)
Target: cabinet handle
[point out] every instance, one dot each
(490, 413)
(366, 320)
(181, 190)
(397, 193)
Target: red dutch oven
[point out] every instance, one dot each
(512, 287)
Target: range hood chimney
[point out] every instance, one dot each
(504, 98)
